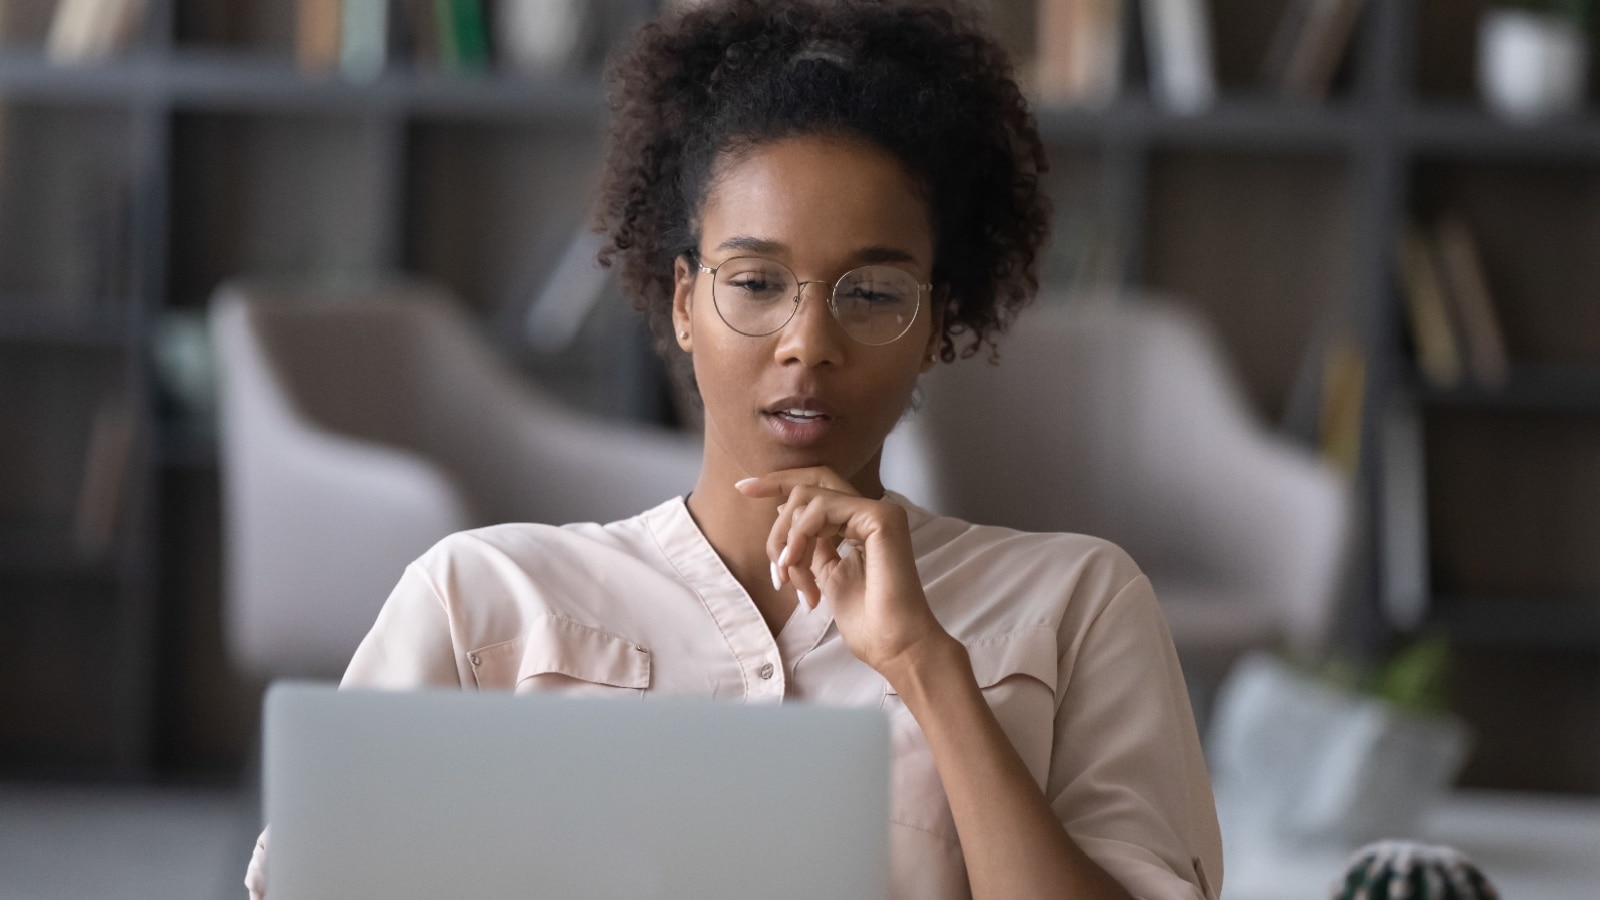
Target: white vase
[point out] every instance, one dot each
(543, 37)
(1531, 66)
(1301, 761)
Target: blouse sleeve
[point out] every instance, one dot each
(411, 645)
(1127, 776)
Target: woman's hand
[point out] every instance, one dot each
(835, 544)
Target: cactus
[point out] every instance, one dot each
(1406, 870)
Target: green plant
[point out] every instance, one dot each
(1413, 677)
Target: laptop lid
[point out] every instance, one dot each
(437, 793)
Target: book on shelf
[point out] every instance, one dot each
(103, 490)
(84, 31)
(1326, 406)
(1177, 40)
(1438, 353)
(1311, 40)
(1472, 304)
(363, 39)
(1343, 401)
(463, 35)
(317, 35)
(359, 39)
(1079, 55)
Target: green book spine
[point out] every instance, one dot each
(463, 35)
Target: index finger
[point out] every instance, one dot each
(781, 482)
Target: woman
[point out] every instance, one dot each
(814, 203)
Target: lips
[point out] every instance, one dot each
(800, 421)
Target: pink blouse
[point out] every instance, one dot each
(1063, 631)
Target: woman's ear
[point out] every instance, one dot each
(683, 303)
(936, 310)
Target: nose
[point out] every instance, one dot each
(813, 337)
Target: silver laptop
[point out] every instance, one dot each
(435, 794)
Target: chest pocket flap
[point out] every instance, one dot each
(1027, 651)
(552, 645)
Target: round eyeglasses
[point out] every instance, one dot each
(875, 305)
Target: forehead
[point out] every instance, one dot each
(817, 196)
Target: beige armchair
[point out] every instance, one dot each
(358, 429)
(1121, 419)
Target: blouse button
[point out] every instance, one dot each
(473, 657)
(765, 671)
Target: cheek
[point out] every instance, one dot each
(722, 367)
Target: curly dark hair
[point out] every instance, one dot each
(921, 80)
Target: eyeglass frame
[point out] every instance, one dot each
(799, 291)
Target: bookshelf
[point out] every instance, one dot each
(202, 153)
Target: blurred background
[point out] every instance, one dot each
(1376, 219)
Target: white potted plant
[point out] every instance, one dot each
(1533, 57)
(1331, 758)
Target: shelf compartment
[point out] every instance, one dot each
(1534, 714)
(67, 188)
(273, 195)
(74, 405)
(55, 666)
(1513, 503)
(1534, 225)
(1216, 236)
(1446, 52)
(488, 205)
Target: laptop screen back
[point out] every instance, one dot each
(432, 794)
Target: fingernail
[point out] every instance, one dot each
(804, 599)
(742, 482)
(775, 583)
(783, 558)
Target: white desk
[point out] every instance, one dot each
(1532, 846)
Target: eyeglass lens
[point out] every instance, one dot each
(874, 304)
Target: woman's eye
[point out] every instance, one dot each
(755, 288)
(875, 298)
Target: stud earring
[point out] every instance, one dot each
(683, 335)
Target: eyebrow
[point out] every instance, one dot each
(865, 255)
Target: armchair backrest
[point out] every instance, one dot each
(1120, 418)
(360, 427)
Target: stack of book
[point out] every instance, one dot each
(1450, 307)
(1080, 50)
(359, 39)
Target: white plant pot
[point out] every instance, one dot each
(1297, 760)
(1531, 66)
